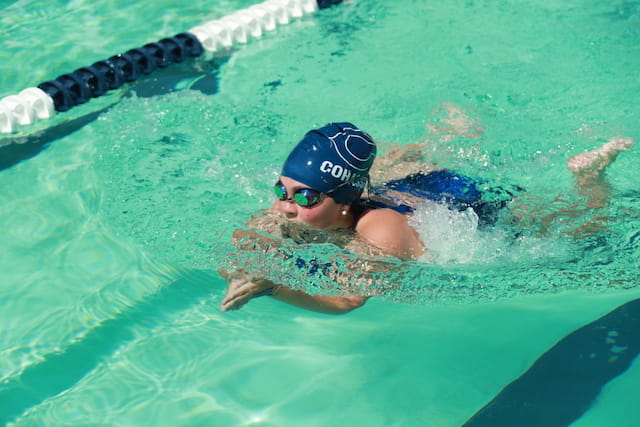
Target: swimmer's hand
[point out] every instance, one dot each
(241, 289)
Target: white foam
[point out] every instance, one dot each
(449, 236)
(453, 237)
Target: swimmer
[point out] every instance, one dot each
(321, 185)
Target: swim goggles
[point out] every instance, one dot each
(305, 197)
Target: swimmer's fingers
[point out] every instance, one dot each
(240, 291)
(236, 295)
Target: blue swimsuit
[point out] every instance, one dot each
(457, 191)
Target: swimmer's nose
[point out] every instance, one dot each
(289, 208)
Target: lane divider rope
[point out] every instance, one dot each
(75, 88)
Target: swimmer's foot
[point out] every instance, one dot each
(592, 163)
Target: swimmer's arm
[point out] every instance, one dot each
(242, 289)
(389, 231)
(318, 303)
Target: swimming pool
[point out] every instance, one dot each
(112, 230)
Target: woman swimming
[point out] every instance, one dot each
(321, 186)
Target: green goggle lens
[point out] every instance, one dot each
(302, 199)
(280, 192)
(305, 197)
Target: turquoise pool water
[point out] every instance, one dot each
(112, 231)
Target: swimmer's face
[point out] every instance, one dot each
(325, 214)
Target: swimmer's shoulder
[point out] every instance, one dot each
(390, 231)
(381, 220)
(374, 214)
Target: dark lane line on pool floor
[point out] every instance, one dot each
(563, 383)
(61, 371)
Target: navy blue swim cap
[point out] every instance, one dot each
(334, 160)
